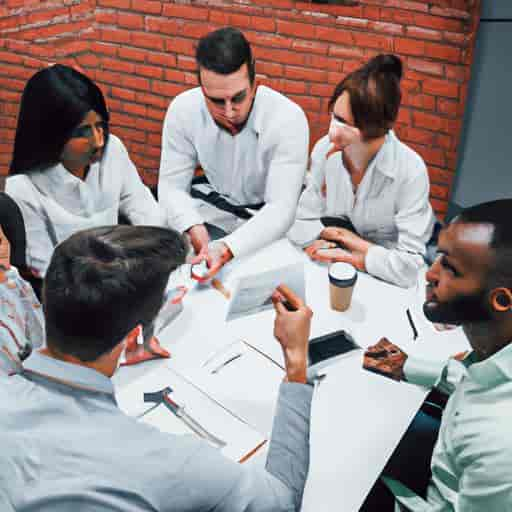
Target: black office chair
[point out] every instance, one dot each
(13, 227)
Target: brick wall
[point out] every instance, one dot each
(141, 54)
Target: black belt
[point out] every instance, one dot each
(215, 199)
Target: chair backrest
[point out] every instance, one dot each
(11, 221)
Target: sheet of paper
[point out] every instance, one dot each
(244, 381)
(240, 438)
(253, 293)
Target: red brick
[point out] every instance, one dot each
(458, 73)
(272, 40)
(117, 65)
(346, 52)
(441, 88)
(335, 78)
(425, 66)
(151, 99)
(108, 77)
(417, 135)
(185, 11)
(219, 17)
(438, 175)
(147, 6)
(106, 17)
(450, 13)
(302, 30)
(409, 46)
(145, 40)
(448, 107)
(173, 75)
(424, 33)
(388, 28)
(456, 38)
(128, 20)
(306, 102)
(335, 35)
(428, 121)
(158, 115)
(439, 191)
(120, 4)
(103, 49)
(132, 54)
(242, 21)
(358, 23)
(439, 206)
(149, 71)
(310, 47)
(270, 68)
(81, 9)
(324, 90)
(162, 59)
(115, 35)
(128, 134)
(434, 156)
(10, 57)
(351, 65)
(187, 63)
(124, 94)
(422, 101)
(180, 45)
(135, 109)
(371, 12)
(445, 141)
(135, 82)
(442, 52)
(167, 89)
(282, 56)
(191, 79)
(261, 23)
(293, 87)
(164, 26)
(47, 15)
(314, 75)
(324, 63)
(404, 116)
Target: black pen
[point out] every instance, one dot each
(411, 322)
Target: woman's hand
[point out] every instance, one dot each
(333, 255)
(345, 237)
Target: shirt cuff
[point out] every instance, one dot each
(305, 232)
(373, 259)
(182, 223)
(423, 372)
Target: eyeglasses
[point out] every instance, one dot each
(238, 98)
(87, 130)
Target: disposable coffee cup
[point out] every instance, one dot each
(342, 279)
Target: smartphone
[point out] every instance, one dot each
(325, 350)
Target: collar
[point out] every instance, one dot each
(385, 159)
(493, 371)
(69, 374)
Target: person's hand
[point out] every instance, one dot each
(218, 254)
(386, 359)
(347, 238)
(199, 239)
(292, 330)
(136, 353)
(318, 245)
(341, 135)
(340, 255)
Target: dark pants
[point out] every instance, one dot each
(409, 464)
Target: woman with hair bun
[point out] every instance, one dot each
(68, 172)
(367, 198)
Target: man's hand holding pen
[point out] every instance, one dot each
(292, 328)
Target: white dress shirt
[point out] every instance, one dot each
(471, 464)
(390, 208)
(55, 203)
(265, 162)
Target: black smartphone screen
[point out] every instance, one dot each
(330, 345)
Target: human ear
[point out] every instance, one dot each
(501, 299)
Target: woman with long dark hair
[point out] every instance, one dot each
(68, 172)
(367, 199)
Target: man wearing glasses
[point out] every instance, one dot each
(250, 141)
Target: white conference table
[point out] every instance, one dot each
(358, 417)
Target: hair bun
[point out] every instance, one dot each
(386, 63)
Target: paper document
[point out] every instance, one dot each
(253, 293)
(243, 380)
(194, 413)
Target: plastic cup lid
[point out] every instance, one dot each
(342, 271)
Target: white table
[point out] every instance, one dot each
(358, 417)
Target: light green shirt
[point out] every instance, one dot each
(472, 459)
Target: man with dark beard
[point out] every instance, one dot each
(469, 284)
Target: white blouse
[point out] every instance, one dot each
(55, 203)
(390, 208)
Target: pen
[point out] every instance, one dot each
(411, 323)
(225, 363)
